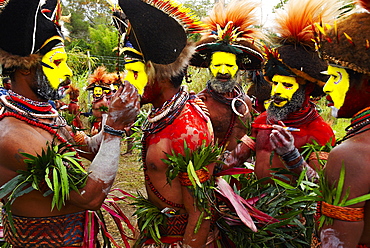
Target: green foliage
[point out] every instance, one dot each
(198, 78)
(149, 218)
(315, 147)
(80, 63)
(137, 132)
(189, 163)
(293, 205)
(201, 7)
(56, 171)
(104, 39)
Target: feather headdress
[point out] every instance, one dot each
(99, 78)
(347, 43)
(28, 30)
(231, 29)
(295, 53)
(157, 32)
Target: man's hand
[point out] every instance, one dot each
(124, 107)
(281, 140)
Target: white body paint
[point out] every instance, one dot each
(104, 166)
(329, 239)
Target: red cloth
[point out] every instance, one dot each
(317, 130)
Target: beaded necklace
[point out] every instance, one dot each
(25, 106)
(359, 120)
(174, 106)
(31, 109)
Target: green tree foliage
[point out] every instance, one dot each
(200, 7)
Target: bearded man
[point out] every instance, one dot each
(225, 56)
(291, 120)
(43, 194)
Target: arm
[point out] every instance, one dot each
(282, 142)
(346, 233)
(122, 113)
(240, 154)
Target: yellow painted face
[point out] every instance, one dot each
(223, 63)
(98, 91)
(54, 66)
(337, 85)
(136, 74)
(285, 87)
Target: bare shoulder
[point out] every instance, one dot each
(354, 156)
(17, 136)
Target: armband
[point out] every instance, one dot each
(113, 131)
(249, 142)
(290, 156)
(79, 137)
(319, 156)
(296, 165)
(202, 174)
(342, 213)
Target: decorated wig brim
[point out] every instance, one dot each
(161, 72)
(155, 34)
(248, 56)
(297, 62)
(348, 45)
(8, 60)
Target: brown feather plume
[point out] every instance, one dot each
(294, 22)
(364, 4)
(242, 14)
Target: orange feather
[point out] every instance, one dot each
(242, 14)
(294, 22)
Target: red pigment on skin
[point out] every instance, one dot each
(189, 126)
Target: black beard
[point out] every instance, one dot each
(222, 87)
(43, 89)
(276, 113)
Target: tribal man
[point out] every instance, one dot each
(98, 83)
(226, 55)
(293, 69)
(348, 90)
(46, 195)
(156, 54)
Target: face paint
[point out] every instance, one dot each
(223, 63)
(283, 88)
(43, 89)
(136, 74)
(336, 87)
(54, 66)
(115, 87)
(98, 92)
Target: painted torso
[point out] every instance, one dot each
(190, 126)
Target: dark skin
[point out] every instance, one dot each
(14, 132)
(163, 142)
(354, 155)
(74, 108)
(97, 107)
(221, 116)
